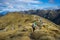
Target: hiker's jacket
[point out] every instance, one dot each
(34, 24)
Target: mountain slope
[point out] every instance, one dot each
(18, 26)
(52, 15)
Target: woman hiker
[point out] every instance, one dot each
(34, 25)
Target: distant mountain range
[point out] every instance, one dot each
(53, 15)
(2, 13)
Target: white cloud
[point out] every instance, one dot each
(0, 3)
(16, 5)
(33, 6)
(10, 6)
(51, 1)
(30, 1)
(56, 7)
(7, 3)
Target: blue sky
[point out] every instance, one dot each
(20, 5)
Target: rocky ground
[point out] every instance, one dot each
(17, 26)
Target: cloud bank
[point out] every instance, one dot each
(21, 5)
(14, 5)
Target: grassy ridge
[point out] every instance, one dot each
(18, 26)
